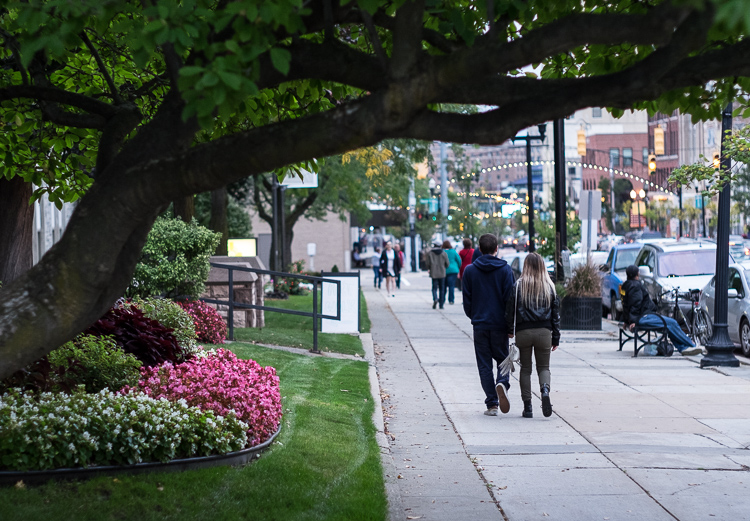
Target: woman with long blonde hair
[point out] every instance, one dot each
(532, 313)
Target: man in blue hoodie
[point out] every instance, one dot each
(487, 283)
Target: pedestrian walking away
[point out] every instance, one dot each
(638, 308)
(487, 283)
(466, 254)
(376, 267)
(390, 267)
(532, 314)
(436, 262)
(451, 272)
(397, 249)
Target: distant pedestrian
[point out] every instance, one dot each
(397, 249)
(390, 267)
(451, 272)
(376, 267)
(436, 261)
(487, 283)
(466, 254)
(537, 327)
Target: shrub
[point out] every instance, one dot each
(209, 326)
(135, 333)
(174, 261)
(290, 285)
(171, 315)
(94, 362)
(585, 282)
(54, 430)
(222, 383)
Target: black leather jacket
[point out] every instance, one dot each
(635, 302)
(534, 317)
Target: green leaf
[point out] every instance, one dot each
(280, 59)
(230, 79)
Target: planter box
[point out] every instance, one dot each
(581, 313)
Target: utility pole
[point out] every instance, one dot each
(561, 225)
(720, 347)
(443, 191)
(412, 231)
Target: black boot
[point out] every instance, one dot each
(527, 411)
(546, 404)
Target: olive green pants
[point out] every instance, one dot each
(538, 342)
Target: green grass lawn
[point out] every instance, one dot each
(296, 331)
(325, 464)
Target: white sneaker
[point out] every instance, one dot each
(492, 411)
(502, 398)
(689, 351)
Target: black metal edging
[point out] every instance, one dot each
(239, 457)
(314, 315)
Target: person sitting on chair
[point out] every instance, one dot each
(638, 308)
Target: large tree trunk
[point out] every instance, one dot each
(16, 228)
(219, 222)
(184, 208)
(288, 238)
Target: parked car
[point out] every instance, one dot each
(681, 266)
(613, 275)
(522, 243)
(515, 261)
(738, 306)
(739, 248)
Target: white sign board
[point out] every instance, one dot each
(590, 201)
(308, 180)
(349, 322)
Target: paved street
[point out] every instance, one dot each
(646, 438)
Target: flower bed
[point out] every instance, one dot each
(222, 383)
(53, 430)
(209, 326)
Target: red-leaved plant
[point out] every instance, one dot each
(220, 382)
(148, 340)
(209, 326)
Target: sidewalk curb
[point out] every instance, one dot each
(392, 493)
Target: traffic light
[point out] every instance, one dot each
(717, 161)
(651, 164)
(581, 142)
(659, 141)
(461, 226)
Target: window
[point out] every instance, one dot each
(735, 282)
(684, 263)
(614, 156)
(596, 112)
(645, 155)
(627, 157)
(625, 258)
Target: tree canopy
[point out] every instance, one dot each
(130, 104)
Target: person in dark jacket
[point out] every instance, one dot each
(487, 282)
(638, 308)
(390, 267)
(532, 313)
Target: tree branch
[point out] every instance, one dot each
(102, 68)
(53, 94)
(407, 38)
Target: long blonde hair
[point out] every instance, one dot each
(535, 286)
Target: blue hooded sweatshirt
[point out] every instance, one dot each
(487, 284)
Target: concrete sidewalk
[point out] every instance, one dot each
(644, 438)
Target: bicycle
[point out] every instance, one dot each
(697, 325)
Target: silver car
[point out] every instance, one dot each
(738, 306)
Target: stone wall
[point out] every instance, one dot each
(247, 288)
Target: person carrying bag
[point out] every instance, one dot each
(532, 314)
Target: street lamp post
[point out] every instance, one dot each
(529, 184)
(635, 196)
(720, 347)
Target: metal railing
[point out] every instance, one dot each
(315, 315)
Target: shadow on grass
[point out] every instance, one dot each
(325, 464)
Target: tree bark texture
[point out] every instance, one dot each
(16, 228)
(184, 208)
(219, 222)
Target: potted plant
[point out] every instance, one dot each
(581, 305)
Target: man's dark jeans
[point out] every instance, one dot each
(489, 346)
(438, 291)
